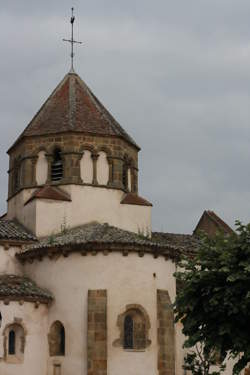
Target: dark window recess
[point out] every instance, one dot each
(12, 343)
(128, 332)
(57, 166)
(62, 341)
(125, 176)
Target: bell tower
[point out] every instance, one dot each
(74, 164)
(74, 146)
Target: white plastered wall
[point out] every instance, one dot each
(102, 169)
(41, 168)
(45, 217)
(8, 262)
(25, 214)
(86, 165)
(128, 280)
(34, 321)
(90, 204)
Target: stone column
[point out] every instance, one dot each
(97, 332)
(117, 172)
(166, 334)
(95, 158)
(33, 170)
(49, 160)
(110, 161)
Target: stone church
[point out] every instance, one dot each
(85, 286)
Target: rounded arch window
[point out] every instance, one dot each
(57, 165)
(134, 328)
(57, 339)
(14, 343)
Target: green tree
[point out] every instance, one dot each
(213, 302)
(199, 362)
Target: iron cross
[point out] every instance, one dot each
(72, 41)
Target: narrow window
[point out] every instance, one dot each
(12, 343)
(57, 339)
(128, 332)
(57, 166)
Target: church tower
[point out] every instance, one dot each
(75, 164)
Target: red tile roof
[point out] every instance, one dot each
(221, 225)
(132, 198)
(72, 107)
(50, 192)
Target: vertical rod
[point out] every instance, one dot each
(72, 40)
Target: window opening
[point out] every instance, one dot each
(57, 339)
(12, 343)
(128, 332)
(57, 166)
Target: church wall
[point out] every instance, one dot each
(128, 280)
(25, 214)
(34, 322)
(91, 204)
(8, 262)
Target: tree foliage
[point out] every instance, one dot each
(213, 302)
(200, 362)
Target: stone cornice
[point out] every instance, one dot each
(53, 252)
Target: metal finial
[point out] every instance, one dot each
(72, 41)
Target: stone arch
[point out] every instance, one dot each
(14, 342)
(134, 325)
(57, 339)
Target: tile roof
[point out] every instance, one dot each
(50, 192)
(11, 230)
(186, 243)
(211, 215)
(14, 287)
(94, 236)
(134, 199)
(72, 107)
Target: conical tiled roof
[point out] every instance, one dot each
(72, 107)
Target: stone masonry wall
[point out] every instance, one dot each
(97, 332)
(166, 334)
(72, 146)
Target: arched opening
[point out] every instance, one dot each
(57, 339)
(12, 343)
(57, 166)
(134, 325)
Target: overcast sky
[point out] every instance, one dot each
(174, 73)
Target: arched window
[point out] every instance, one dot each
(57, 166)
(12, 343)
(57, 339)
(134, 328)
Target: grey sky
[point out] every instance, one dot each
(175, 74)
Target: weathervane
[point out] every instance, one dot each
(72, 41)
